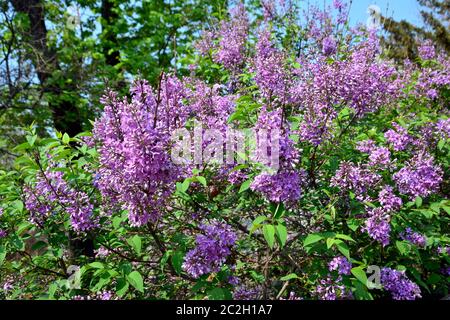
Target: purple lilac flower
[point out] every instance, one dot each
(246, 293)
(51, 192)
(105, 295)
(233, 35)
(329, 46)
(102, 252)
(443, 128)
(388, 200)
(399, 285)
(279, 187)
(136, 172)
(270, 76)
(420, 177)
(341, 264)
(377, 226)
(414, 237)
(350, 177)
(398, 137)
(427, 50)
(292, 296)
(365, 146)
(380, 156)
(443, 250)
(329, 289)
(211, 251)
(3, 233)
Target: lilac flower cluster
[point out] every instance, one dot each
(270, 76)
(246, 293)
(414, 237)
(211, 251)
(322, 86)
(399, 285)
(427, 51)
(381, 157)
(378, 226)
(398, 137)
(350, 177)
(388, 200)
(329, 46)
(136, 173)
(420, 177)
(52, 193)
(341, 264)
(279, 187)
(329, 289)
(233, 35)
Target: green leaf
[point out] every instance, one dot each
(403, 247)
(359, 274)
(312, 238)
(121, 287)
(361, 292)
(344, 237)
(136, 243)
(202, 180)
(343, 248)
(269, 234)
(289, 277)
(281, 232)
(96, 265)
(66, 138)
(2, 254)
(219, 294)
(185, 185)
(177, 261)
(245, 185)
(135, 279)
(330, 242)
(441, 144)
(418, 202)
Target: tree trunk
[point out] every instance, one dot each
(64, 112)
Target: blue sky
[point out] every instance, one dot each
(398, 9)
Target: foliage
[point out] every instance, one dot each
(362, 183)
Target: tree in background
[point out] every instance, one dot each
(54, 62)
(402, 36)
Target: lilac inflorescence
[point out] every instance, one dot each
(398, 284)
(211, 251)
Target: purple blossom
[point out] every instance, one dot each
(51, 193)
(388, 200)
(399, 285)
(233, 35)
(380, 156)
(246, 293)
(211, 251)
(414, 237)
(329, 289)
(136, 172)
(398, 137)
(377, 226)
(3, 233)
(279, 187)
(350, 177)
(270, 76)
(427, 50)
(365, 146)
(329, 46)
(420, 177)
(341, 264)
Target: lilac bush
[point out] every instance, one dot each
(349, 172)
